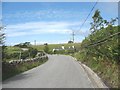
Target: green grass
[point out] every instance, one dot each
(52, 46)
(14, 53)
(104, 68)
(12, 70)
(11, 49)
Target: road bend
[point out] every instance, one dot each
(59, 71)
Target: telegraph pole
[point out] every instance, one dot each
(20, 56)
(35, 42)
(73, 34)
(29, 56)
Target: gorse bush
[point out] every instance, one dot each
(46, 48)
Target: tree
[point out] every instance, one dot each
(70, 41)
(46, 48)
(2, 35)
(97, 22)
(33, 52)
(45, 44)
(26, 43)
(2, 38)
(23, 45)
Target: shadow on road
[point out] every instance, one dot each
(17, 77)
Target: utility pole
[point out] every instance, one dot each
(29, 56)
(20, 56)
(73, 34)
(35, 42)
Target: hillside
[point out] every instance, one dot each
(57, 46)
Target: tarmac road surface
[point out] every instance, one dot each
(59, 71)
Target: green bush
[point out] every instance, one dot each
(46, 48)
(102, 58)
(11, 53)
(33, 52)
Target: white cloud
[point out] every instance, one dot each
(34, 28)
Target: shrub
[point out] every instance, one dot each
(46, 48)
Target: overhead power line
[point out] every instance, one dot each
(103, 40)
(73, 32)
(88, 15)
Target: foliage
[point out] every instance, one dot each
(52, 46)
(33, 52)
(12, 53)
(100, 50)
(107, 49)
(46, 48)
(97, 21)
(2, 35)
(45, 43)
(70, 41)
(23, 45)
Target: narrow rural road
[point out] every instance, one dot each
(58, 72)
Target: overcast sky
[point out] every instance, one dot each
(50, 22)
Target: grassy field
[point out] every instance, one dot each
(52, 46)
(10, 53)
(15, 53)
(11, 49)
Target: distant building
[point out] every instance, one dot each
(63, 47)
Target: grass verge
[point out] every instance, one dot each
(105, 69)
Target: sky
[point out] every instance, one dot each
(51, 22)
